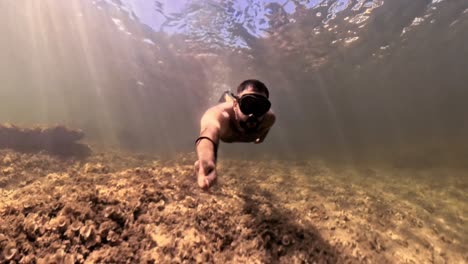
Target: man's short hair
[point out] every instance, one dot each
(256, 85)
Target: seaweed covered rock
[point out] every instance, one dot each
(58, 139)
(145, 214)
(153, 212)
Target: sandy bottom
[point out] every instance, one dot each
(116, 208)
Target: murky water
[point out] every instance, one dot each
(345, 76)
(376, 90)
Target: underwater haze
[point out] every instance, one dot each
(347, 78)
(369, 149)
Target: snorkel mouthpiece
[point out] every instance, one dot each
(250, 125)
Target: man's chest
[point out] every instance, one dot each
(234, 135)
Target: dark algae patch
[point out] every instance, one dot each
(122, 208)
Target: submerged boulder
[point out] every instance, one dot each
(58, 139)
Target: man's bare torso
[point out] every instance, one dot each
(230, 130)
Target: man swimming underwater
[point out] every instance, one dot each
(245, 117)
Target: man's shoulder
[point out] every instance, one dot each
(219, 112)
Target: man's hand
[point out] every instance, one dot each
(206, 173)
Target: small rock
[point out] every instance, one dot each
(437, 258)
(377, 245)
(161, 205)
(95, 168)
(8, 171)
(7, 160)
(3, 182)
(286, 240)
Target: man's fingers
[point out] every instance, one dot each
(206, 175)
(207, 183)
(211, 177)
(202, 182)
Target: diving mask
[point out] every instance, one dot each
(253, 104)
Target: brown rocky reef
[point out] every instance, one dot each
(83, 213)
(123, 208)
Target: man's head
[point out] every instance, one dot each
(255, 86)
(251, 104)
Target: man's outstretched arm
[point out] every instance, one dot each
(207, 147)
